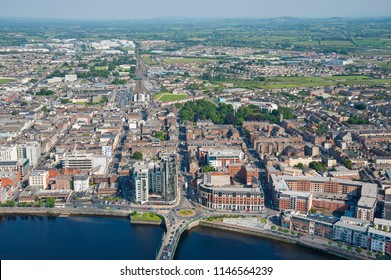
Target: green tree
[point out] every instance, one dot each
(45, 109)
(330, 242)
(300, 165)
(348, 163)
(50, 202)
(10, 203)
(208, 168)
(160, 135)
(359, 250)
(138, 156)
(273, 227)
(318, 166)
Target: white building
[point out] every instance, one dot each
(31, 151)
(141, 182)
(70, 78)
(8, 153)
(81, 183)
(39, 178)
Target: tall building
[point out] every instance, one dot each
(31, 151)
(169, 178)
(140, 180)
(387, 205)
(155, 178)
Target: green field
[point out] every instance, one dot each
(5, 81)
(101, 68)
(167, 96)
(295, 82)
(173, 60)
(143, 216)
(148, 60)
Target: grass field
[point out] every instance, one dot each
(101, 68)
(5, 81)
(186, 60)
(145, 217)
(167, 96)
(295, 82)
(148, 60)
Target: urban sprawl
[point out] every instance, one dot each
(290, 129)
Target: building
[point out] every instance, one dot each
(313, 224)
(31, 151)
(63, 182)
(230, 197)
(352, 231)
(366, 206)
(169, 171)
(387, 205)
(81, 182)
(382, 224)
(292, 200)
(40, 179)
(89, 162)
(222, 158)
(379, 241)
(9, 153)
(20, 167)
(140, 182)
(156, 181)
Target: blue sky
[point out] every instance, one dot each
(131, 9)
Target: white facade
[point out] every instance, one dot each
(39, 178)
(81, 183)
(141, 182)
(31, 151)
(9, 153)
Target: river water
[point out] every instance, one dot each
(102, 238)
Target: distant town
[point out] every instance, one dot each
(276, 127)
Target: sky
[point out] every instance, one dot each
(142, 9)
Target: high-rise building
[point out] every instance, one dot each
(169, 178)
(155, 178)
(387, 205)
(140, 182)
(31, 151)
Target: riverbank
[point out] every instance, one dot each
(303, 241)
(63, 212)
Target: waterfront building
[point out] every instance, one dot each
(221, 196)
(81, 182)
(140, 182)
(352, 231)
(379, 241)
(156, 181)
(313, 224)
(300, 201)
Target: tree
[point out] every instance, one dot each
(273, 227)
(10, 203)
(318, 166)
(339, 245)
(138, 156)
(160, 135)
(350, 248)
(330, 242)
(359, 250)
(348, 163)
(208, 168)
(50, 202)
(300, 165)
(45, 109)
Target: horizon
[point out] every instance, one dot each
(155, 9)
